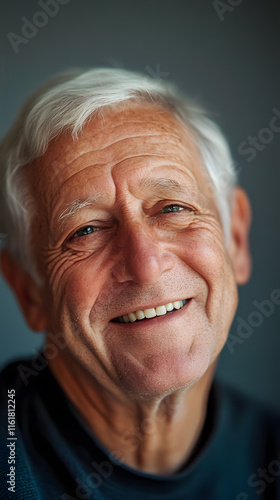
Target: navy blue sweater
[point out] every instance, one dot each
(57, 457)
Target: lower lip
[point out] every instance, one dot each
(176, 313)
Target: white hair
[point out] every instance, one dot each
(66, 103)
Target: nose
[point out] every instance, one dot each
(142, 255)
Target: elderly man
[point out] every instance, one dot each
(126, 240)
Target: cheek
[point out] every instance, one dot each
(75, 285)
(208, 257)
(205, 254)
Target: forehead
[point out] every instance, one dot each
(117, 126)
(127, 140)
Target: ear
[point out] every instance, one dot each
(238, 247)
(27, 292)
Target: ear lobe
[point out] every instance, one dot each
(239, 241)
(27, 292)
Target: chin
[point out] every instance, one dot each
(163, 373)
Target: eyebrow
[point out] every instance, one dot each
(76, 205)
(162, 185)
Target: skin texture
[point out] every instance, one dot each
(129, 166)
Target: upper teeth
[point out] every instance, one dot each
(151, 313)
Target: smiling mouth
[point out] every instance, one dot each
(151, 313)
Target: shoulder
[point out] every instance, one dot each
(32, 384)
(254, 424)
(242, 406)
(25, 375)
(18, 376)
(14, 460)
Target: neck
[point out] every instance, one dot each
(152, 434)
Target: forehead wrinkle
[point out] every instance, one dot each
(103, 142)
(127, 143)
(160, 185)
(122, 149)
(111, 163)
(124, 145)
(113, 120)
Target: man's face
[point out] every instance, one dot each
(143, 234)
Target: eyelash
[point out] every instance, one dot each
(172, 206)
(94, 229)
(85, 228)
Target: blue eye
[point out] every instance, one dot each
(172, 208)
(84, 231)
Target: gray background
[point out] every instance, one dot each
(232, 65)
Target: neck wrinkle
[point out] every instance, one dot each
(156, 435)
